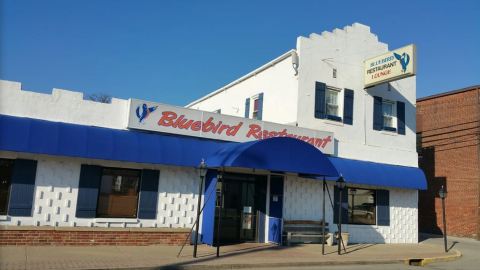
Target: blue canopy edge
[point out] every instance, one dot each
(281, 154)
(19, 134)
(379, 174)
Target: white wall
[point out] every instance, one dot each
(56, 191)
(303, 201)
(61, 106)
(291, 99)
(346, 49)
(279, 85)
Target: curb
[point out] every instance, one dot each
(263, 265)
(425, 261)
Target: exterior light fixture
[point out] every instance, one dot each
(202, 168)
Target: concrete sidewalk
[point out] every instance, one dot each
(237, 256)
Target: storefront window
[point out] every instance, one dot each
(361, 206)
(6, 168)
(118, 196)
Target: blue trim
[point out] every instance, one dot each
(260, 107)
(22, 188)
(247, 108)
(208, 214)
(383, 208)
(392, 129)
(88, 188)
(147, 205)
(275, 230)
(379, 174)
(320, 100)
(348, 106)
(401, 117)
(377, 113)
(334, 118)
(276, 209)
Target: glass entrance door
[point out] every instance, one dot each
(243, 196)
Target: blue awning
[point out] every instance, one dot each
(379, 174)
(28, 135)
(275, 154)
(36, 136)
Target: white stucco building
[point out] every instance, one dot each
(75, 166)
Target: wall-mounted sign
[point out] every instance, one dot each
(158, 117)
(394, 65)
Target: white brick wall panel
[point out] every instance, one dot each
(303, 201)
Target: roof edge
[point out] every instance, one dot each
(452, 92)
(239, 80)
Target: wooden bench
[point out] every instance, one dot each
(303, 231)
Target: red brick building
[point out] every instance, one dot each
(448, 127)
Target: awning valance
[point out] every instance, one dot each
(379, 174)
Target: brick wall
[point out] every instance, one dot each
(93, 236)
(448, 130)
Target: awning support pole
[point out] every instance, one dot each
(220, 207)
(198, 215)
(323, 218)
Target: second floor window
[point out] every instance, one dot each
(332, 103)
(388, 115)
(256, 107)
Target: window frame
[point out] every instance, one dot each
(138, 193)
(339, 116)
(393, 127)
(251, 113)
(9, 185)
(375, 217)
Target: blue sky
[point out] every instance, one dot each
(176, 51)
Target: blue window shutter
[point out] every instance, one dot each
(260, 107)
(22, 188)
(377, 113)
(88, 186)
(401, 117)
(348, 107)
(383, 207)
(247, 107)
(147, 207)
(336, 193)
(320, 100)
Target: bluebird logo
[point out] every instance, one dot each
(404, 60)
(144, 112)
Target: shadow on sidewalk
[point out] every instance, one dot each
(211, 256)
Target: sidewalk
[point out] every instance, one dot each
(237, 256)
